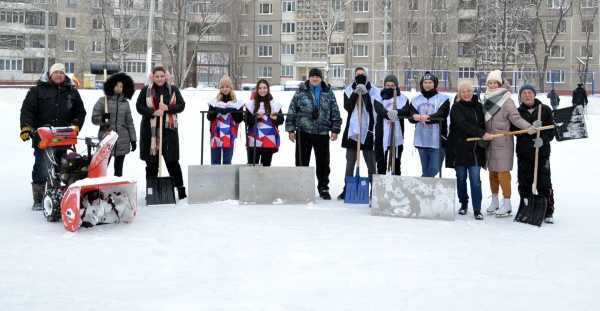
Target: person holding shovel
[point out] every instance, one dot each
(526, 145)
(389, 128)
(313, 120)
(500, 113)
(467, 157)
(112, 112)
(361, 90)
(263, 117)
(156, 100)
(225, 114)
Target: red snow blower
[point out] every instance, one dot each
(77, 189)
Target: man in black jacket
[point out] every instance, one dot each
(54, 101)
(526, 145)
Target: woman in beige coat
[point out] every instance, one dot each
(500, 112)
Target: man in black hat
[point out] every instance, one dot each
(313, 120)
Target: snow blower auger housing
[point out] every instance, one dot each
(78, 190)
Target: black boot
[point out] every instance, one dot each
(181, 193)
(463, 208)
(342, 195)
(38, 196)
(324, 194)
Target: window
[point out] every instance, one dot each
(551, 26)
(557, 51)
(438, 27)
(97, 46)
(135, 66)
(360, 50)
(337, 49)
(264, 72)
(69, 67)
(413, 27)
(12, 16)
(97, 23)
(558, 4)
(340, 26)
(440, 51)
(589, 3)
(337, 5)
(412, 50)
(466, 72)
(288, 27)
(117, 22)
(524, 48)
(287, 71)
(389, 50)
(244, 7)
(265, 51)
(360, 6)
(337, 71)
(288, 6)
(288, 49)
(11, 64)
(69, 45)
(439, 4)
(12, 41)
(555, 76)
(466, 49)
(147, 5)
(265, 30)
(587, 26)
(265, 9)
(72, 3)
(70, 22)
(361, 28)
(128, 4)
(413, 5)
(466, 26)
(243, 50)
(587, 51)
(33, 65)
(97, 4)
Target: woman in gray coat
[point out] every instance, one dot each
(500, 112)
(114, 114)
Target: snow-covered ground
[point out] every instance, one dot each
(324, 256)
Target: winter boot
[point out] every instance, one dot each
(463, 208)
(549, 220)
(478, 215)
(181, 193)
(506, 209)
(324, 194)
(494, 205)
(38, 196)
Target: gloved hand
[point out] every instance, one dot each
(537, 124)
(532, 130)
(392, 115)
(105, 117)
(538, 143)
(361, 89)
(76, 128)
(133, 145)
(25, 133)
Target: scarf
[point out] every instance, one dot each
(387, 124)
(493, 102)
(316, 90)
(355, 125)
(224, 130)
(171, 118)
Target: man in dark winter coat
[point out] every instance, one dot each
(361, 87)
(580, 96)
(312, 115)
(526, 145)
(149, 105)
(554, 99)
(54, 101)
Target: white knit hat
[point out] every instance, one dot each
(495, 75)
(56, 67)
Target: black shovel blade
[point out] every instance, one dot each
(532, 210)
(159, 191)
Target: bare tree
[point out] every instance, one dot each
(587, 24)
(328, 22)
(185, 25)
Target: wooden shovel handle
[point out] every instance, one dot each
(497, 135)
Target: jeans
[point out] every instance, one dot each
(431, 161)
(475, 182)
(39, 174)
(220, 156)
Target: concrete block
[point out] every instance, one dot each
(213, 183)
(413, 197)
(277, 185)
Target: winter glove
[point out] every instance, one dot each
(105, 117)
(392, 115)
(361, 89)
(537, 124)
(25, 133)
(532, 130)
(538, 143)
(133, 145)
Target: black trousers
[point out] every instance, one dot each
(320, 144)
(263, 156)
(381, 158)
(174, 171)
(544, 185)
(119, 160)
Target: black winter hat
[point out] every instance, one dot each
(315, 72)
(128, 85)
(429, 76)
(391, 78)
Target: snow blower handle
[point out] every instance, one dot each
(534, 189)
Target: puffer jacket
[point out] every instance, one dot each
(301, 117)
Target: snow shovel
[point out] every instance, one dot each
(160, 190)
(357, 188)
(532, 209)
(391, 168)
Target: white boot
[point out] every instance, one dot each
(505, 210)
(494, 205)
